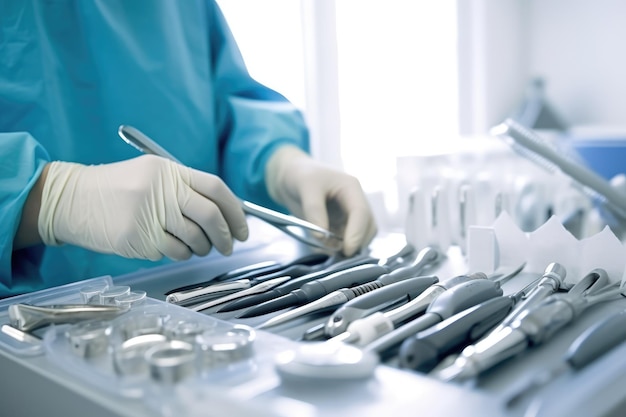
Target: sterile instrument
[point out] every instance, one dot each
(220, 289)
(532, 146)
(28, 317)
(20, 335)
(586, 348)
(552, 279)
(318, 288)
(406, 253)
(297, 280)
(427, 257)
(365, 330)
(532, 327)
(254, 274)
(456, 299)
(383, 298)
(299, 229)
(256, 289)
(424, 350)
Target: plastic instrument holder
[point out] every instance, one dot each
(65, 294)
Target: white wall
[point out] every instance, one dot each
(577, 46)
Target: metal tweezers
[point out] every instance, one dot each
(295, 227)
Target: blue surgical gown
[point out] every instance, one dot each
(72, 71)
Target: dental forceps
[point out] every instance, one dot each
(299, 229)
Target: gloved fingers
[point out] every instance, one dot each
(209, 223)
(173, 248)
(313, 208)
(192, 235)
(214, 189)
(359, 225)
(360, 230)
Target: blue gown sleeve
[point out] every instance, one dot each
(255, 119)
(22, 160)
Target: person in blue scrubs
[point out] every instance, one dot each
(77, 202)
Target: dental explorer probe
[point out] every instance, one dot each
(427, 257)
(590, 345)
(531, 328)
(368, 329)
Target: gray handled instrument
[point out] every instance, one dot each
(427, 348)
(594, 342)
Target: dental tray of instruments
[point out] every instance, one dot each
(232, 368)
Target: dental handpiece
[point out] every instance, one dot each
(366, 330)
(424, 350)
(451, 302)
(531, 328)
(590, 345)
(551, 281)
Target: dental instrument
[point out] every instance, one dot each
(340, 297)
(257, 289)
(427, 257)
(456, 299)
(20, 335)
(531, 328)
(590, 345)
(263, 271)
(318, 288)
(424, 350)
(185, 298)
(399, 258)
(28, 317)
(551, 281)
(299, 229)
(366, 304)
(371, 327)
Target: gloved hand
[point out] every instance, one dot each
(147, 207)
(321, 195)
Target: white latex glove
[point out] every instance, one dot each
(147, 207)
(321, 195)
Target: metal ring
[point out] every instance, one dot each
(172, 361)
(140, 324)
(129, 356)
(186, 330)
(219, 349)
(89, 339)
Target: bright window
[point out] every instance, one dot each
(397, 82)
(396, 72)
